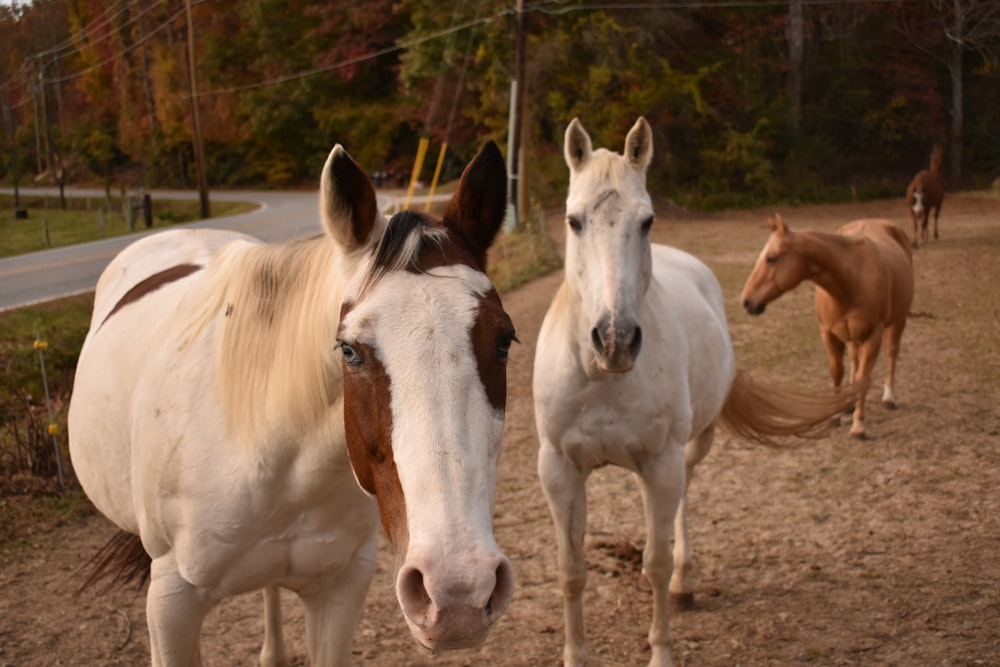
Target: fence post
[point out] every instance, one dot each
(45, 224)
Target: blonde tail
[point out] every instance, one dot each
(762, 414)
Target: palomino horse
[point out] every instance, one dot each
(864, 288)
(925, 194)
(244, 413)
(598, 402)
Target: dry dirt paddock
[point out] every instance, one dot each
(883, 552)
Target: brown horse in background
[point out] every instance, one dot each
(864, 288)
(925, 194)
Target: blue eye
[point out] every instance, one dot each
(351, 356)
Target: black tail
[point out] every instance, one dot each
(123, 559)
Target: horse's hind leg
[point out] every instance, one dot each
(175, 610)
(866, 355)
(893, 335)
(565, 491)
(272, 653)
(662, 492)
(682, 581)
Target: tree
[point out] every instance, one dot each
(956, 29)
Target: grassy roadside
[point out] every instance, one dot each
(88, 219)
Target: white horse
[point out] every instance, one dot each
(598, 402)
(244, 413)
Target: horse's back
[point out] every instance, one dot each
(895, 259)
(883, 232)
(151, 255)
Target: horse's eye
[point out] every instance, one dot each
(503, 347)
(351, 356)
(772, 259)
(574, 223)
(646, 224)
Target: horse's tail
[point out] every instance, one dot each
(763, 414)
(123, 559)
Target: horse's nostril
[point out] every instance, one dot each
(503, 591)
(595, 338)
(413, 595)
(636, 343)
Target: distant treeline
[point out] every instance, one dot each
(795, 100)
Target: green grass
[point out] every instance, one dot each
(81, 221)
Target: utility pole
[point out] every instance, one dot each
(9, 117)
(199, 152)
(517, 89)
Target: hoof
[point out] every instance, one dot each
(915, 245)
(681, 602)
(860, 435)
(889, 405)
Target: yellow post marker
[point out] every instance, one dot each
(41, 346)
(418, 164)
(437, 174)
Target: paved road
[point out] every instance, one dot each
(51, 274)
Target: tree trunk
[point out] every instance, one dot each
(957, 105)
(796, 42)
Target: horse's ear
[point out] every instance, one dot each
(639, 145)
(478, 206)
(577, 146)
(347, 201)
(776, 224)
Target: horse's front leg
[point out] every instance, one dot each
(565, 490)
(333, 609)
(835, 358)
(272, 653)
(175, 610)
(663, 484)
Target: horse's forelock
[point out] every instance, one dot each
(606, 170)
(406, 235)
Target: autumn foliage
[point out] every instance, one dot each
(100, 90)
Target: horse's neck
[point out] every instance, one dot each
(830, 265)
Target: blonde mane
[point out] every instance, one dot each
(276, 310)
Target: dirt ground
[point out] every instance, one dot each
(882, 552)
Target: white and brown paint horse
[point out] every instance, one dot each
(634, 367)
(864, 287)
(244, 413)
(924, 196)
